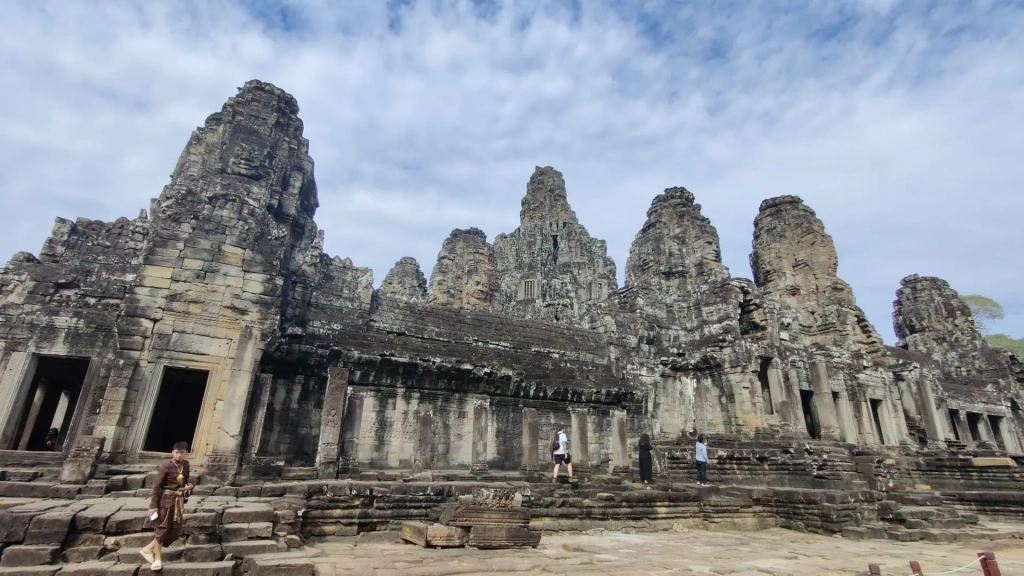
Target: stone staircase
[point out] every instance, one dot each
(915, 516)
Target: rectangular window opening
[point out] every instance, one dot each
(973, 420)
(996, 423)
(529, 289)
(954, 415)
(810, 416)
(766, 389)
(876, 419)
(177, 409)
(50, 403)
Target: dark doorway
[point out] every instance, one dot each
(876, 419)
(954, 415)
(810, 415)
(50, 402)
(996, 423)
(766, 389)
(973, 420)
(177, 408)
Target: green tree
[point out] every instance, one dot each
(1015, 345)
(984, 309)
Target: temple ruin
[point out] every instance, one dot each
(216, 317)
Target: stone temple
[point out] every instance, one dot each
(217, 318)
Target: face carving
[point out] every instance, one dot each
(477, 291)
(247, 160)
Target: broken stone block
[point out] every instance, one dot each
(30, 555)
(259, 530)
(462, 515)
(202, 553)
(270, 566)
(248, 513)
(94, 519)
(495, 537)
(234, 532)
(83, 554)
(438, 535)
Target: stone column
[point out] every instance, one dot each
(985, 429)
(823, 401)
(110, 422)
(796, 410)
(33, 414)
(481, 427)
(259, 413)
(620, 443)
(80, 464)
(579, 442)
(778, 392)
(847, 425)
(330, 422)
(531, 440)
(351, 425)
(20, 369)
(423, 458)
(960, 422)
(222, 462)
(1009, 439)
(931, 419)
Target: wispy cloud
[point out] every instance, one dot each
(901, 123)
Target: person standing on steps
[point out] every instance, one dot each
(646, 460)
(561, 453)
(171, 490)
(701, 457)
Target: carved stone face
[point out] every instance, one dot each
(247, 160)
(478, 290)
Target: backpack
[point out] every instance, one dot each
(554, 444)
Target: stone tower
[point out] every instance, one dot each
(550, 267)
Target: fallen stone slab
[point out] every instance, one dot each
(497, 537)
(30, 555)
(438, 535)
(279, 567)
(462, 515)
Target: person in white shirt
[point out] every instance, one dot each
(701, 457)
(561, 453)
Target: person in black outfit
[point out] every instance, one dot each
(646, 462)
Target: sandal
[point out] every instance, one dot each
(148, 556)
(156, 566)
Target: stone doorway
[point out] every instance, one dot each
(766, 389)
(876, 420)
(811, 421)
(973, 421)
(50, 401)
(177, 409)
(996, 423)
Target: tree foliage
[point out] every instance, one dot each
(1015, 345)
(985, 310)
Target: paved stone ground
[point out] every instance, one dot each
(769, 552)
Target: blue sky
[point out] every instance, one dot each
(900, 123)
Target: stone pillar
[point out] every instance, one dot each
(20, 369)
(481, 427)
(222, 462)
(778, 392)
(796, 410)
(889, 423)
(110, 422)
(823, 401)
(847, 424)
(531, 440)
(1009, 439)
(423, 457)
(620, 443)
(351, 425)
(33, 414)
(579, 442)
(960, 422)
(930, 412)
(80, 464)
(259, 413)
(330, 422)
(907, 399)
(985, 429)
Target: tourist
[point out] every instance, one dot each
(171, 490)
(646, 461)
(51, 439)
(702, 461)
(560, 452)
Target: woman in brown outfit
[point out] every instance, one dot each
(171, 490)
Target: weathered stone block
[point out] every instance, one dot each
(24, 489)
(494, 537)
(13, 527)
(192, 569)
(202, 553)
(29, 571)
(50, 528)
(89, 569)
(260, 530)
(234, 532)
(83, 554)
(249, 548)
(94, 518)
(270, 566)
(248, 513)
(462, 515)
(438, 535)
(125, 522)
(30, 555)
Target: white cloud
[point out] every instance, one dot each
(899, 123)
